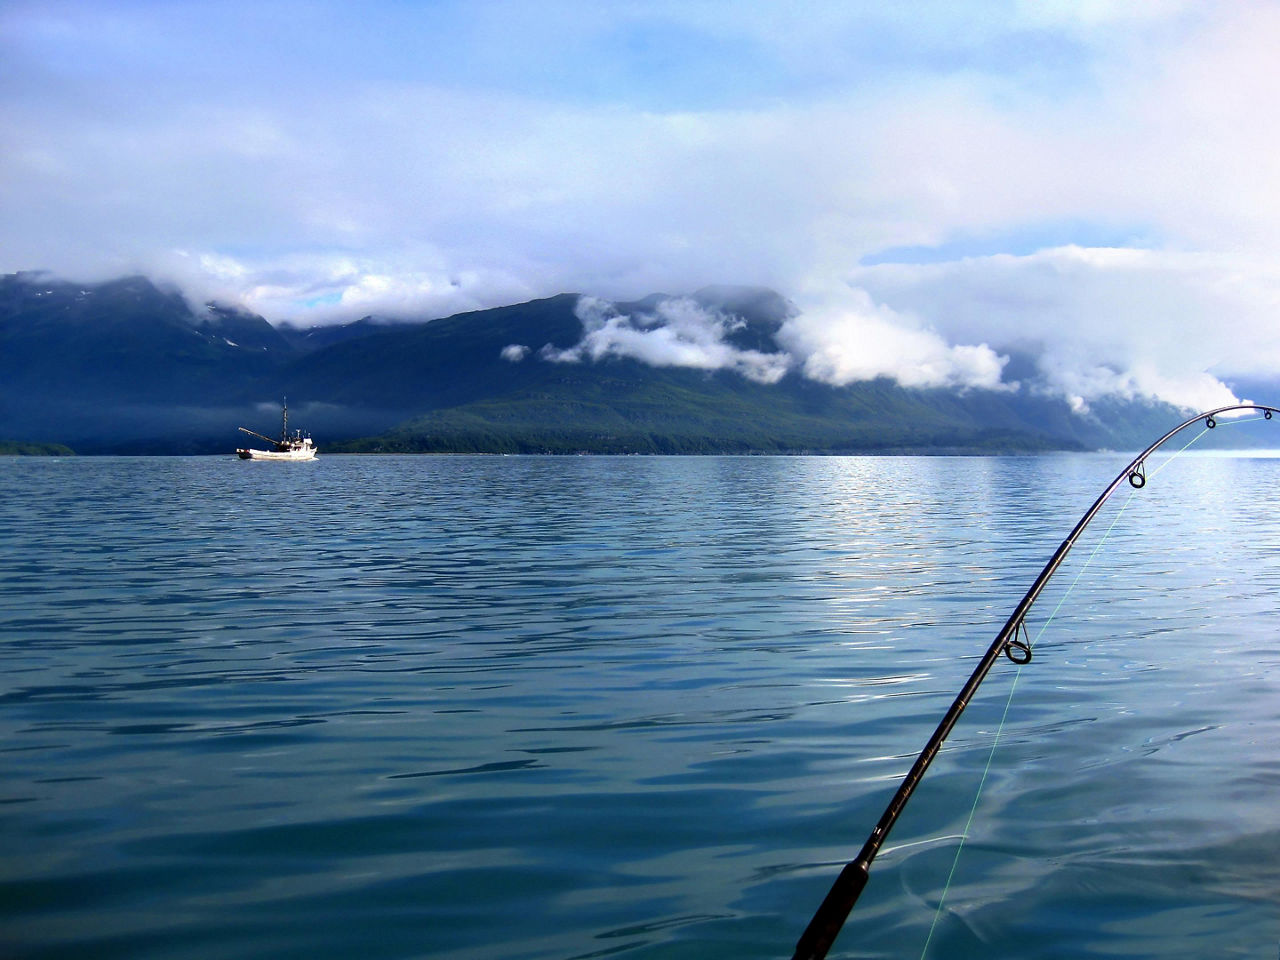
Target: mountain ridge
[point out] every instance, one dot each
(129, 367)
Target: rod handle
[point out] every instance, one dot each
(826, 923)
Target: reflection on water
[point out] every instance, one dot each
(500, 707)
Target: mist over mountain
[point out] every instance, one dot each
(128, 366)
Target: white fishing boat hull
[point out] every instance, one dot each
(307, 453)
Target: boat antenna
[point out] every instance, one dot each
(834, 910)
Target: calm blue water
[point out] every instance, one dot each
(502, 707)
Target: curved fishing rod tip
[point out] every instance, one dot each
(834, 910)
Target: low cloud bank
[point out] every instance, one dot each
(678, 333)
(847, 337)
(315, 289)
(1128, 323)
(1084, 323)
(842, 341)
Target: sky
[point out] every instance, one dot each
(933, 185)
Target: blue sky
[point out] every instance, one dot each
(1092, 180)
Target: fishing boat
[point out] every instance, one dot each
(296, 447)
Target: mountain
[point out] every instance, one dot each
(124, 364)
(127, 366)
(127, 340)
(307, 339)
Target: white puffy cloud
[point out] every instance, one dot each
(1170, 325)
(514, 352)
(843, 339)
(678, 333)
(328, 288)
(842, 336)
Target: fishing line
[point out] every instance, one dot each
(1105, 537)
(982, 782)
(1004, 716)
(831, 914)
(972, 813)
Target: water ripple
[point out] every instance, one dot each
(488, 708)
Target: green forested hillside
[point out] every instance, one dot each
(126, 367)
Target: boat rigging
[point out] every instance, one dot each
(296, 447)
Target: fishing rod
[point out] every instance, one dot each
(1014, 642)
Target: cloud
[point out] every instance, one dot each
(843, 337)
(1170, 325)
(677, 333)
(368, 164)
(312, 288)
(514, 352)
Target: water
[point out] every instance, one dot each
(503, 707)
